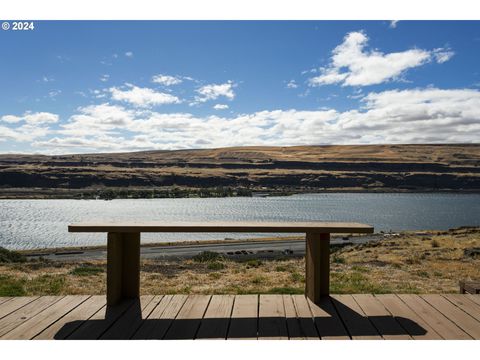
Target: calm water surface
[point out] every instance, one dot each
(28, 224)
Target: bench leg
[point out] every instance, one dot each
(123, 267)
(317, 266)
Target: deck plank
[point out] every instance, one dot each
(131, 320)
(463, 320)
(448, 316)
(99, 322)
(187, 322)
(71, 321)
(357, 323)
(381, 318)
(19, 316)
(443, 326)
(464, 303)
(160, 319)
(42, 320)
(327, 321)
(216, 320)
(5, 299)
(15, 304)
(293, 325)
(474, 298)
(303, 317)
(410, 321)
(272, 322)
(244, 319)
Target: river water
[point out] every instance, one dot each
(29, 224)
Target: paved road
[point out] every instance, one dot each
(234, 250)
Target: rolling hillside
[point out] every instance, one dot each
(243, 171)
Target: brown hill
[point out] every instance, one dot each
(245, 169)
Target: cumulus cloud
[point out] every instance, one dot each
(129, 54)
(142, 97)
(214, 91)
(352, 65)
(220, 106)
(428, 115)
(292, 84)
(104, 77)
(166, 80)
(32, 118)
(25, 132)
(102, 119)
(28, 127)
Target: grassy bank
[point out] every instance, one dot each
(430, 262)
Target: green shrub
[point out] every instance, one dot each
(298, 277)
(41, 285)
(46, 285)
(423, 274)
(10, 286)
(216, 266)
(254, 263)
(86, 270)
(215, 275)
(286, 290)
(355, 283)
(337, 259)
(9, 256)
(360, 269)
(206, 256)
(258, 280)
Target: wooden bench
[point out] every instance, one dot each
(470, 287)
(123, 249)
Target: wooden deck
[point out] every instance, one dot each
(453, 316)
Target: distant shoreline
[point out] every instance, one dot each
(68, 194)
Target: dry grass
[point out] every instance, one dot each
(409, 263)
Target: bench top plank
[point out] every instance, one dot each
(208, 226)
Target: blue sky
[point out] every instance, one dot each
(72, 87)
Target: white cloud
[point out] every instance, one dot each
(427, 115)
(11, 119)
(52, 94)
(28, 127)
(292, 84)
(129, 54)
(214, 91)
(220, 106)
(352, 65)
(166, 80)
(142, 97)
(32, 118)
(393, 24)
(442, 55)
(47, 79)
(26, 132)
(104, 77)
(101, 119)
